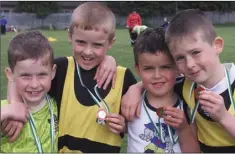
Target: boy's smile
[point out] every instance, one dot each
(89, 46)
(157, 73)
(33, 80)
(196, 58)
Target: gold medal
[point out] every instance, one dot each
(160, 112)
(197, 91)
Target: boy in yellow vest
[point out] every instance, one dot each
(208, 86)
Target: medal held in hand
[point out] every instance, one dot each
(160, 112)
(197, 91)
(103, 107)
(101, 115)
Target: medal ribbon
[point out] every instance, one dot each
(229, 89)
(99, 103)
(158, 129)
(193, 113)
(33, 127)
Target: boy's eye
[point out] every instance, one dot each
(179, 58)
(98, 44)
(25, 75)
(166, 67)
(80, 42)
(42, 74)
(195, 52)
(148, 68)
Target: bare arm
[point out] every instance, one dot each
(131, 105)
(12, 128)
(188, 139)
(12, 95)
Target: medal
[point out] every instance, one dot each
(160, 112)
(197, 91)
(103, 107)
(158, 129)
(196, 95)
(101, 115)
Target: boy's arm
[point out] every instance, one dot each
(130, 105)
(12, 95)
(188, 139)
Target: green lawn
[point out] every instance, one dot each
(122, 51)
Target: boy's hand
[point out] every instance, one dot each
(116, 123)
(17, 111)
(12, 129)
(175, 118)
(106, 72)
(131, 102)
(213, 104)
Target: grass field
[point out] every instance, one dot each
(122, 51)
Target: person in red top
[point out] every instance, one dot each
(132, 20)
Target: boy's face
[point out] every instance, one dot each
(157, 72)
(89, 47)
(32, 79)
(196, 58)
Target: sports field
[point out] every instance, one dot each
(122, 50)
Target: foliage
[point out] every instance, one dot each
(167, 7)
(41, 9)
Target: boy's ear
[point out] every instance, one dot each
(53, 71)
(111, 43)
(219, 44)
(9, 74)
(69, 36)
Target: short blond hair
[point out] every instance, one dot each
(94, 16)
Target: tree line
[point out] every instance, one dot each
(123, 8)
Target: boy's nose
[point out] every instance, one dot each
(157, 74)
(88, 50)
(34, 83)
(190, 63)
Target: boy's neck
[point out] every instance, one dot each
(218, 75)
(159, 101)
(38, 106)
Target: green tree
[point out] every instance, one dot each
(41, 9)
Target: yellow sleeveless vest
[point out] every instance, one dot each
(79, 121)
(209, 133)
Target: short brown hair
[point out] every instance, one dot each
(29, 45)
(188, 22)
(151, 40)
(94, 16)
